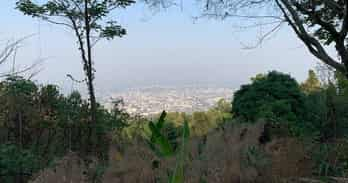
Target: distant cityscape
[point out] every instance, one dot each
(153, 100)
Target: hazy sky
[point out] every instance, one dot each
(167, 48)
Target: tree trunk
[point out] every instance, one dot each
(91, 96)
(90, 78)
(90, 75)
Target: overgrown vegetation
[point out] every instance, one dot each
(308, 109)
(86, 19)
(272, 123)
(39, 125)
(311, 113)
(274, 95)
(166, 145)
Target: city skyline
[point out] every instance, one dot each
(153, 100)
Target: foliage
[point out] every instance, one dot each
(342, 84)
(330, 159)
(255, 157)
(275, 95)
(87, 19)
(315, 118)
(137, 127)
(39, 125)
(14, 160)
(223, 106)
(178, 174)
(325, 114)
(74, 12)
(202, 122)
(159, 142)
(163, 146)
(317, 111)
(312, 84)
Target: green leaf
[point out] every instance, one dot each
(178, 174)
(159, 142)
(161, 120)
(186, 130)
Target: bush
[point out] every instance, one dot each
(274, 96)
(326, 114)
(16, 163)
(39, 125)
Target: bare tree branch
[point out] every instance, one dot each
(11, 50)
(59, 23)
(22, 70)
(266, 35)
(226, 15)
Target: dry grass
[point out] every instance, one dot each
(70, 169)
(220, 157)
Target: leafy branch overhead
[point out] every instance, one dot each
(70, 13)
(319, 24)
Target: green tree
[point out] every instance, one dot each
(87, 18)
(176, 117)
(39, 125)
(200, 123)
(325, 115)
(17, 165)
(258, 77)
(312, 83)
(18, 118)
(342, 84)
(223, 106)
(276, 95)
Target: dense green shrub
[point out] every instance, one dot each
(324, 164)
(13, 160)
(326, 113)
(39, 125)
(326, 104)
(275, 95)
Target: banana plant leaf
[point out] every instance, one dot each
(178, 174)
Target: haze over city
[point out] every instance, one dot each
(167, 48)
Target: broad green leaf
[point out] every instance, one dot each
(161, 120)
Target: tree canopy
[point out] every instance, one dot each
(311, 84)
(275, 93)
